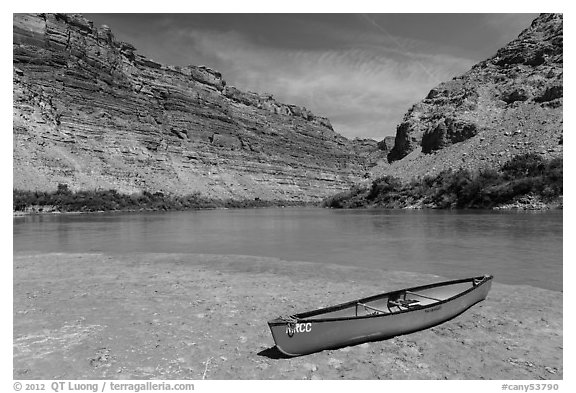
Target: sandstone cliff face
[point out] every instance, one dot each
(507, 105)
(91, 112)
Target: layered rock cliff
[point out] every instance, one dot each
(507, 105)
(91, 112)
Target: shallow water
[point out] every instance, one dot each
(516, 247)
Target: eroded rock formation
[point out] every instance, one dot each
(91, 112)
(506, 105)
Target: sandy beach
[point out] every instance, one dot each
(176, 316)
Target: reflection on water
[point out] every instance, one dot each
(517, 247)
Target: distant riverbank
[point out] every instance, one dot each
(526, 182)
(63, 200)
(195, 316)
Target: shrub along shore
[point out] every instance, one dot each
(63, 200)
(526, 181)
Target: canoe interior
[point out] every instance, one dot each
(393, 302)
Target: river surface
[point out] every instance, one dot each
(521, 248)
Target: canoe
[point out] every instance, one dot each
(377, 317)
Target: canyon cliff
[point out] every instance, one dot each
(509, 104)
(92, 113)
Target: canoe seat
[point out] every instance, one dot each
(407, 303)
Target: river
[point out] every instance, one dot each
(520, 248)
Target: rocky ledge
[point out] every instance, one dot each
(91, 112)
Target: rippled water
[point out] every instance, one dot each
(517, 247)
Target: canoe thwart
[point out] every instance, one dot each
(424, 296)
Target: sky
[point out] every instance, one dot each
(362, 71)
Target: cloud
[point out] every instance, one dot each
(364, 90)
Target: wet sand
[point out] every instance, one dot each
(174, 316)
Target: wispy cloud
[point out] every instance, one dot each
(361, 71)
(363, 91)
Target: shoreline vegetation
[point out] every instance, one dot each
(526, 182)
(63, 200)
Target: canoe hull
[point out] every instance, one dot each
(308, 335)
